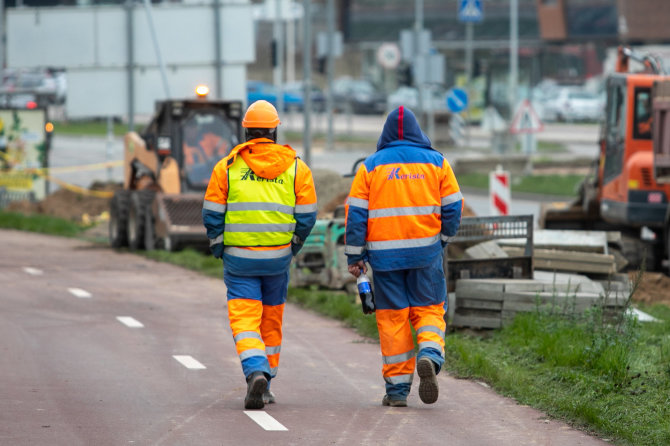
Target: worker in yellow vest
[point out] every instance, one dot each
(259, 207)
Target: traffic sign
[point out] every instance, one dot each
(526, 120)
(457, 100)
(470, 11)
(499, 192)
(388, 55)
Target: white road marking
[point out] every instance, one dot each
(189, 362)
(130, 322)
(33, 271)
(78, 292)
(265, 420)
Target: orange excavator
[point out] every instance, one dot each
(622, 192)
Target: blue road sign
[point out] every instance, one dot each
(457, 100)
(470, 11)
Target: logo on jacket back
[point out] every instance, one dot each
(394, 174)
(248, 174)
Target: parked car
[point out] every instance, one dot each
(572, 104)
(358, 96)
(409, 97)
(317, 98)
(257, 90)
(47, 86)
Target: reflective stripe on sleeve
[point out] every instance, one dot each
(252, 352)
(445, 238)
(453, 198)
(246, 335)
(406, 243)
(214, 241)
(272, 350)
(430, 344)
(400, 379)
(260, 227)
(254, 254)
(212, 206)
(432, 328)
(358, 202)
(305, 208)
(408, 210)
(394, 359)
(273, 371)
(354, 250)
(261, 206)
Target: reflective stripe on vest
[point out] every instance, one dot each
(259, 210)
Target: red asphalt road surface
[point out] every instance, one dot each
(72, 374)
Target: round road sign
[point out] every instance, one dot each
(457, 100)
(388, 55)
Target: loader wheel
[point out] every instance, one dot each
(150, 241)
(140, 205)
(118, 219)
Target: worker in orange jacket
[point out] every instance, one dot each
(403, 207)
(259, 207)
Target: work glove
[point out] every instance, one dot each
(217, 250)
(296, 245)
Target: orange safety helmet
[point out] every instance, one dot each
(261, 115)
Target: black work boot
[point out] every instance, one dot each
(428, 387)
(257, 383)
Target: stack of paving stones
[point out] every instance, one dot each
(492, 303)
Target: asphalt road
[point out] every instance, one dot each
(108, 348)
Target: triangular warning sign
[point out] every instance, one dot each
(526, 120)
(471, 10)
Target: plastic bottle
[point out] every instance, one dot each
(365, 293)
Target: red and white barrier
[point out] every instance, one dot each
(499, 192)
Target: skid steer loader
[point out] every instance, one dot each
(166, 171)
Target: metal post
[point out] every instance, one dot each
(290, 50)
(469, 32)
(217, 49)
(330, 13)
(2, 34)
(161, 65)
(419, 57)
(513, 54)
(307, 77)
(130, 36)
(110, 142)
(279, 59)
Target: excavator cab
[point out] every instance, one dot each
(623, 194)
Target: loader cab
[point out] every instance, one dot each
(195, 134)
(628, 192)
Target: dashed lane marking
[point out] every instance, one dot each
(265, 420)
(78, 292)
(33, 271)
(130, 322)
(189, 362)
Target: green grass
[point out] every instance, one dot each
(40, 223)
(561, 185)
(90, 128)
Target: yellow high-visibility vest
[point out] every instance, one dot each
(259, 211)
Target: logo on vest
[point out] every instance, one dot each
(394, 174)
(248, 175)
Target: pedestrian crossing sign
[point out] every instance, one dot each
(526, 120)
(470, 11)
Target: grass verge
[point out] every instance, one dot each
(609, 377)
(558, 185)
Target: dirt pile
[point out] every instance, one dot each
(69, 204)
(654, 288)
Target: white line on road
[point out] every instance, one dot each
(130, 322)
(189, 362)
(265, 420)
(78, 292)
(33, 271)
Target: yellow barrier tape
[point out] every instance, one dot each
(65, 169)
(15, 181)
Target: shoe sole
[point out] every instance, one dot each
(394, 403)
(428, 388)
(254, 399)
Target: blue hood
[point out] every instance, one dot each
(401, 125)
